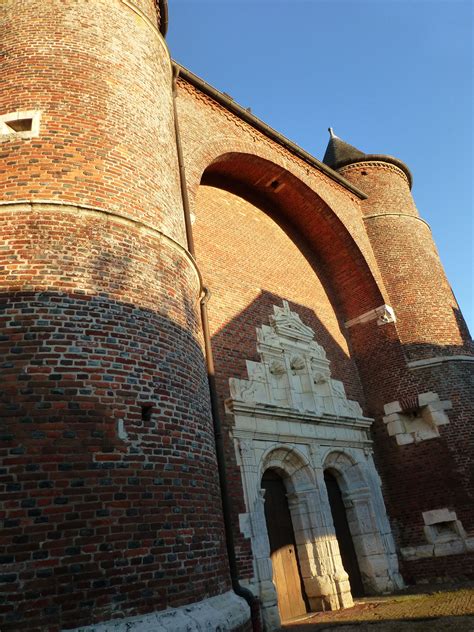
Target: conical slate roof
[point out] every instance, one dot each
(340, 154)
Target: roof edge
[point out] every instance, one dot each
(258, 124)
(163, 7)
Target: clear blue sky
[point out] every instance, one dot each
(390, 76)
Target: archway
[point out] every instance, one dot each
(314, 225)
(292, 601)
(343, 534)
(367, 524)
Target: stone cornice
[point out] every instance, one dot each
(69, 207)
(395, 214)
(283, 413)
(437, 360)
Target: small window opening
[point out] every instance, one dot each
(24, 124)
(21, 125)
(147, 410)
(275, 185)
(445, 529)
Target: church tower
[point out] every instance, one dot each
(112, 504)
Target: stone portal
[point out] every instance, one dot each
(293, 418)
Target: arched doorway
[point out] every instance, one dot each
(289, 586)
(343, 534)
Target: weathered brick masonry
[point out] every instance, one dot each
(249, 268)
(110, 496)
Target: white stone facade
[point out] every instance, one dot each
(291, 416)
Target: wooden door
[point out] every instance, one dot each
(343, 534)
(286, 574)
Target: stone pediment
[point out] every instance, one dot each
(288, 324)
(293, 373)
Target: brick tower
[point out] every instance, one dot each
(111, 498)
(417, 374)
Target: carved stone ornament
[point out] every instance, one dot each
(293, 372)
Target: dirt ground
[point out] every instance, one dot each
(434, 608)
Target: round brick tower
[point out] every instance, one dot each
(110, 497)
(427, 313)
(417, 374)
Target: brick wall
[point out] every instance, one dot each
(458, 567)
(109, 489)
(97, 77)
(250, 264)
(225, 151)
(110, 497)
(427, 312)
(98, 523)
(435, 473)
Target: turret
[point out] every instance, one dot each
(112, 505)
(417, 371)
(428, 317)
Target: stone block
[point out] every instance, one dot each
(439, 418)
(391, 417)
(427, 398)
(425, 550)
(455, 547)
(438, 515)
(372, 565)
(405, 439)
(395, 428)
(392, 407)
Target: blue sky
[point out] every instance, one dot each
(390, 76)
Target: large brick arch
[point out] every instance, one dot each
(343, 255)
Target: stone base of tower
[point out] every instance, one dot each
(224, 613)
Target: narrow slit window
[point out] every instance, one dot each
(147, 410)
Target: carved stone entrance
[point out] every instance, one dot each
(292, 417)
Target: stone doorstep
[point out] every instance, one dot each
(223, 613)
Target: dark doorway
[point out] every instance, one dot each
(343, 534)
(286, 573)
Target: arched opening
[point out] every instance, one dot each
(292, 601)
(310, 221)
(343, 534)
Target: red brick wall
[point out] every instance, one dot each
(97, 75)
(427, 312)
(435, 473)
(234, 155)
(400, 267)
(98, 317)
(452, 567)
(250, 264)
(96, 526)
